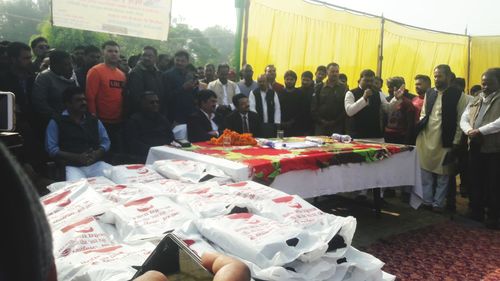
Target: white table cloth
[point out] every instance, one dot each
(401, 169)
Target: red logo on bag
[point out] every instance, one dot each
(139, 167)
(56, 197)
(139, 201)
(64, 203)
(189, 242)
(287, 199)
(66, 252)
(238, 184)
(200, 191)
(240, 216)
(135, 167)
(79, 223)
(113, 188)
(103, 250)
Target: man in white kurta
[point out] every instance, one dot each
(430, 148)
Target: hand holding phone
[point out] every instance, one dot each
(174, 259)
(398, 94)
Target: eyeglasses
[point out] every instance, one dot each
(43, 47)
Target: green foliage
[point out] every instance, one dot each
(68, 38)
(223, 40)
(22, 20)
(19, 19)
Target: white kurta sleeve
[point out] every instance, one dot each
(352, 107)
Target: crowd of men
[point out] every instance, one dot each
(85, 112)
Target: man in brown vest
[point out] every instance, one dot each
(481, 122)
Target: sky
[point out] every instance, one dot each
(481, 17)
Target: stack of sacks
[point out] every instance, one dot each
(102, 229)
(85, 248)
(72, 202)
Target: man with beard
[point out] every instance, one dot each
(439, 135)
(307, 89)
(422, 84)
(77, 138)
(291, 103)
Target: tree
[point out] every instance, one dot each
(223, 40)
(68, 38)
(19, 19)
(22, 20)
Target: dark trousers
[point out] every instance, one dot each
(116, 137)
(484, 182)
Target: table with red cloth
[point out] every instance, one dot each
(309, 172)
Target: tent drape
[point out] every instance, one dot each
(408, 52)
(485, 53)
(300, 36)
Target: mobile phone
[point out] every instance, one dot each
(7, 114)
(176, 260)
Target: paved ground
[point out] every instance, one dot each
(397, 217)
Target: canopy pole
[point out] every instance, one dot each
(239, 5)
(469, 49)
(245, 33)
(381, 47)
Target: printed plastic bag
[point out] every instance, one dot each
(85, 234)
(73, 202)
(137, 173)
(260, 240)
(113, 263)
(147, 217)
(293, 210)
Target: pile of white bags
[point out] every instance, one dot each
(102, 227)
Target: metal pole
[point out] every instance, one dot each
(469, 41)
(239, 5)
(381, 47)
(245, 32)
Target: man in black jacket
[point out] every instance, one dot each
(204, 124)
(242, 120)
(146, 77)
(147, 128)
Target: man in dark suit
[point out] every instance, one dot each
(204, 123)
(242, 120)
